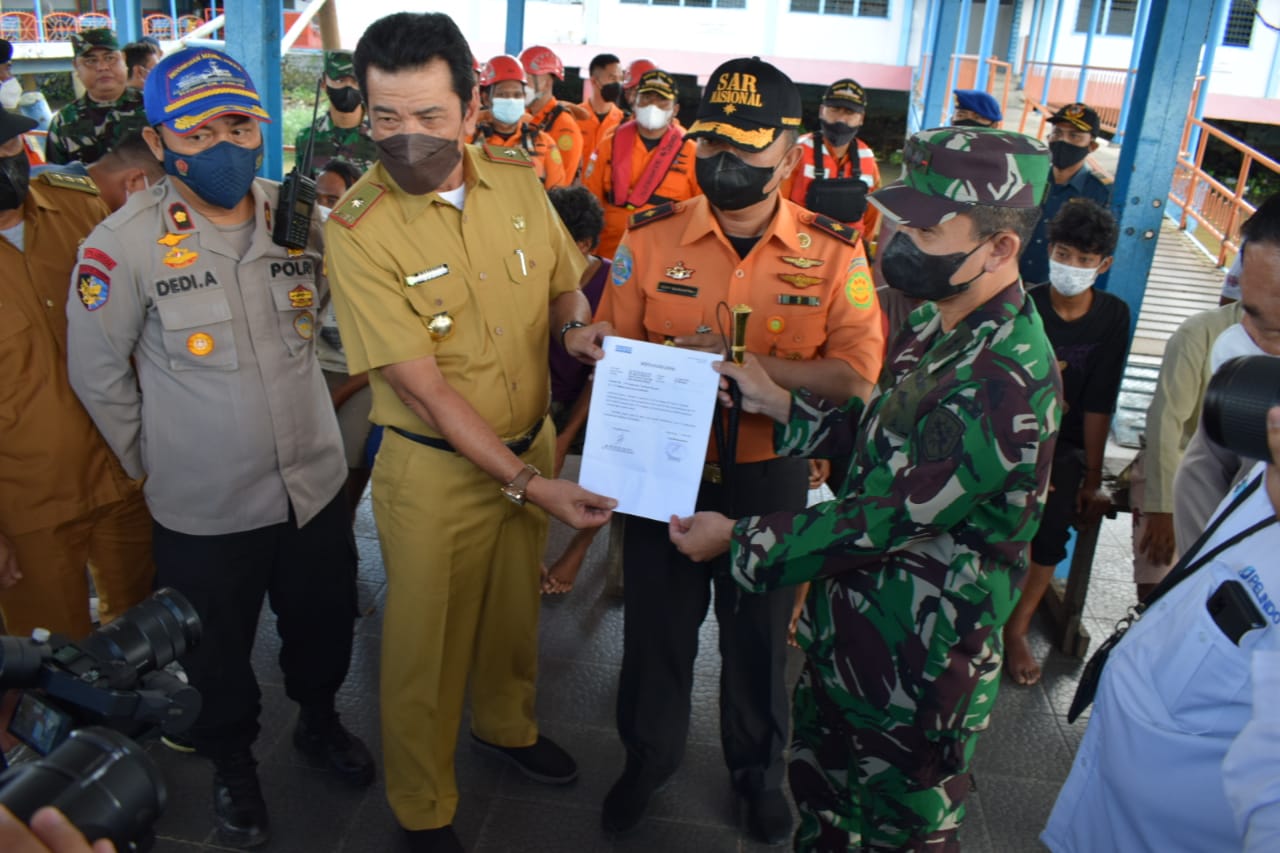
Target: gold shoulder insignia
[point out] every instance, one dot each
(502, 154)
(836, 229)
(69, 182)
(653, 214)
(357, 204)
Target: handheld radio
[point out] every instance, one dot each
(297, 199)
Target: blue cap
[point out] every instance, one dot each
(190, 88)
(975, 101)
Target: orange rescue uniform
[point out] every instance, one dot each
(594, 128)
(559, 121)
(796, 185)
(678, 184)
(541, 149)
(806, 280)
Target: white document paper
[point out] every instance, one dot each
(648, 425)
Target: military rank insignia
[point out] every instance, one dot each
(799, 280)
(180, 216)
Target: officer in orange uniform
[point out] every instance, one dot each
(836, 193)
(601, 104)
(505, 124)
(646, 162)
(64, 500)
(556, 118)
(815, 324)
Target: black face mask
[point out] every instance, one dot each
(918, 274)
(968, 122)
(345, 99)
(731, 184)
(838, 133)
(1065, 155)
(611, 93)
(15, 179)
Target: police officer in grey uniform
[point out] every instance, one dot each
(191, 344)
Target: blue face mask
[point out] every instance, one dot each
(508, 110)
(221, 175)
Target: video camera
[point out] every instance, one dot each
(1236, 404)
(115, 683)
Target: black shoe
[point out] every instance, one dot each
(627, 800)
(768, 815)
(322, 738)
(238, 807)
(543, 762)
(440, 840)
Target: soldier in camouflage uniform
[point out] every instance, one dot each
(108, 111)
(919, 561)
(342, 131)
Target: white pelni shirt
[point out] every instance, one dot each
(1175, 694)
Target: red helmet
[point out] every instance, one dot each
(637, 69)
(500, 69)
(542, 60)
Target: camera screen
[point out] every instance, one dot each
(39, 724)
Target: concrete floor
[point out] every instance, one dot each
(1020, 765)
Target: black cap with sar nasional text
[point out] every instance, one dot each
(746, 103)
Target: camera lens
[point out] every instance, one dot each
(20, 661)
(1236, 404)
(149, 635)
(103, 782)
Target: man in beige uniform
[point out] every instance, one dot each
(444, 259)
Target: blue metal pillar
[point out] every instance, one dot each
(515, 27)
(990, 11)
(1088, 50)
(1217, 31)
(946, 30)
(1139, 33)
(962, 42)
(253, 37)
(1033, 40)
(1011, 54)
(1053, 45)
(928, 43)
(127, 15)
(1167, 70)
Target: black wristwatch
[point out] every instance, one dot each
(572, 324)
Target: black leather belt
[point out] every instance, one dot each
(518, 447)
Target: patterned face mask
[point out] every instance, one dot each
(221, 175)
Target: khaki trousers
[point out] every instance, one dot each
(113, 541)
(462, 603)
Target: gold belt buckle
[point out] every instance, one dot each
(711, 473)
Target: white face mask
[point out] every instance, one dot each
(323, 212)
(1069, 280)
(508, 110)
(530, 95)
(653, 117)
(1233, 342)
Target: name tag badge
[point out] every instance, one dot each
(677, 289)
(797, 299)
(426, 275)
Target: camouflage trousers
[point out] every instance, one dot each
(863, 784)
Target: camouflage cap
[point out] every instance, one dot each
(338, 64)
(87, 40)
(746, 103)
(1079, 116)
(947, 170)
(659, 82)
(845, 94)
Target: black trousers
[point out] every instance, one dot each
(309, 575)
(666, 597)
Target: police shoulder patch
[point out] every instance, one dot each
(835, 228)
(356, 205)
(502, 154)
(653, 214)
(70, 182)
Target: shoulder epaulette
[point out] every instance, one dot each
(501, 154)
(835, 228)
(69, 182)
(357, 204)
(1103, 178)
(653, 214)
